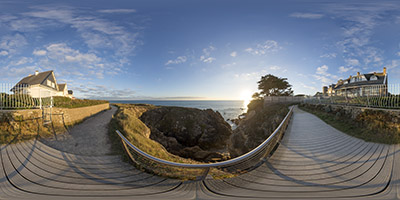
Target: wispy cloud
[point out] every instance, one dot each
(307, 15)
(12, 43)
(119, 11)
(233, 54)
(322, 75)
(3, 53)
(93, 91)
(263, 48)
(178, 60)
(329, 55)
(275, 68)
(206, 57)
(39, 52)
(343, 69)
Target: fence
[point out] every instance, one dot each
(23, 97)
(382, 96)
(283, 99)
(227, 168)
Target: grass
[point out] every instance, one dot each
(370, 126)
(65, 102)
(127, 121)
(14, 130)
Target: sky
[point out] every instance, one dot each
(196, 49)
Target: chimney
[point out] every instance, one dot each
(358, 73)
(36, 72)
(384, 70)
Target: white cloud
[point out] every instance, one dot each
(93, 91)
(19, 72)
(263, 48)
(234, 54)
(329, 55)
(322, 75)
(96, 32)
(352, 62)
(12, 43)
(306, 15)
(22, 61)
(39, 52)
(119, 11)
(63, 53)
(322, 70)
(274, 68)
(393, 64)
(209, 60)
(228, 65)
(343, 69)
(206, 55)
(3, 53)
(308, 87)
(178, 60)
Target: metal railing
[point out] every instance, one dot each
(381, 96)
(226, 168)
(23, 97)
(283, 99)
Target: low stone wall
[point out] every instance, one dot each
(369, 116)
(70, 115)
(25, 114)
(73, 115)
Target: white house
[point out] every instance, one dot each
(43, 84)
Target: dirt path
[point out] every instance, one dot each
(88, 138)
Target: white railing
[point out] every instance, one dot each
(380, 96)
(23, 97)
(283, 99)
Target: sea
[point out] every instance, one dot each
(228, 109)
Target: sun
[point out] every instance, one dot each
(245, 95)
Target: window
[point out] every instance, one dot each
(373, 78)
(52, 85)
(48, 83)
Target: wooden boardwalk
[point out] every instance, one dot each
(313, 160)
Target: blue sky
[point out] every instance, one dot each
(196, 49)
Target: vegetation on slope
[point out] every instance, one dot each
(371, 125)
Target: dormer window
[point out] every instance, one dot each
(373, 78)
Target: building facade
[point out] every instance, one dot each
(370, 84)
(41, 85)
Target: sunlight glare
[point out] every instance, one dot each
(245, 95)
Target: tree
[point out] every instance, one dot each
(270, 85)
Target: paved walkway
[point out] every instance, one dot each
(87, 138)
(314, 161)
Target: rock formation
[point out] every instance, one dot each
(188, 132)
(257, 126)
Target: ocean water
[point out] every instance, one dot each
(228, 109)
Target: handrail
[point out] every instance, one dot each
(241, 159)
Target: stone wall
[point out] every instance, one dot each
(74, 115)
(383, 118)
(70, 115)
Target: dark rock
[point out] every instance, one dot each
(255, 128)
(189, 132)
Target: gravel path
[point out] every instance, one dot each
(87, 138)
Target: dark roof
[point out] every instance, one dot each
(35, 79)
(380, 81)
(61, 87)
